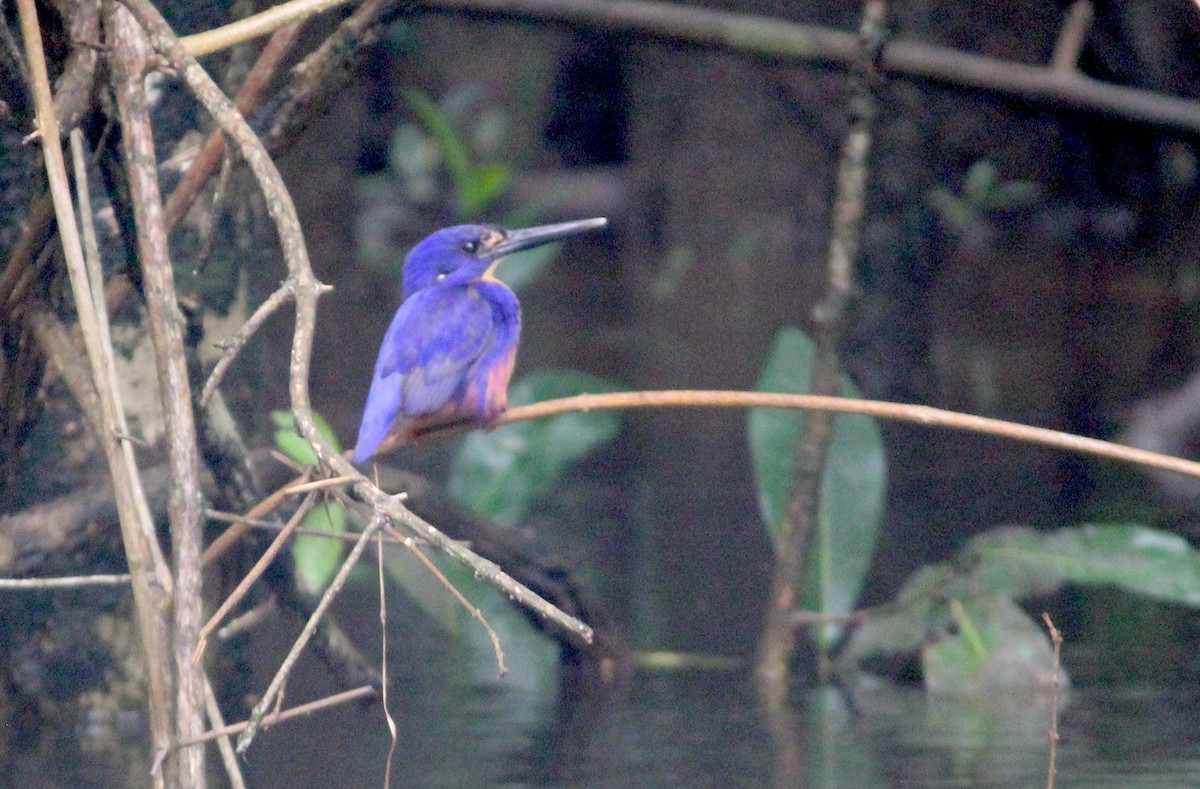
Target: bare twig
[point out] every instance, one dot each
(248, 97)
(799, 525)
(249, 620)
(152, 583)
(65, 582)
(901, 412)
(257, 570)
(235, 343)
(1072, 37)
(285, 668)
(256, 25)
(463, 601)
(780, 40)
(363, 692)
(228, 758)
(383, 672)
(240, 526)
(1057, 640)
(131, 60)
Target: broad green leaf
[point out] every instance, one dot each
(318, 558)
(449, 141)
(852, 492)
(519, 270)
(500, 474)
(1021, 562)
(486, 185)
(293, 444)
(426, 589)
(994, 647)
(919, 609)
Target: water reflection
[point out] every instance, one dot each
(703, 730)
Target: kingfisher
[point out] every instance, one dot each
(448, 355)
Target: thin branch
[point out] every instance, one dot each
(256, 25)
(780, 40)
(1072, 36)
(131, 61)
(1057, 640)
(257, 570)
(249, 620)
(224, 745)
(463, 601)
(363, 692)
(799, 525)
(285, 668)
(383, 672)
(64, 582)
(900, 412)
(230, 536)
(248, 97)
(152, 583)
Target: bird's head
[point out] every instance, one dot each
(464, 253)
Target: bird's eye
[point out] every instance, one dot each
(471, 247)
(441, 276)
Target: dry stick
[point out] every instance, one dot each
(130, 60)
(209, 159)
(781, 40)
(901, 412)
(256, 25)
(224, 745)
(1072, 36)
(285, 668)
(152, 584)
(65, 582)
(365, 691)
(1057, 640)
(305, 289)
(95, 270)
(799, 524)
(234, 344)
(257, 570)
(228, 538)
(463, 601)
(251, 619)
(383, 672)
(257, 523)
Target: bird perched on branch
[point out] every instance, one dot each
(449, 353)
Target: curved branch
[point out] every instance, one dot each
(781, 40)
(901, 412)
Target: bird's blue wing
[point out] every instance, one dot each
(434, 339)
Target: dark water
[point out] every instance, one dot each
(460, 726)
(702, 729)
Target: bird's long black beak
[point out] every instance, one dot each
(530, 237)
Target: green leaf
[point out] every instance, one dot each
(500, 474)
(520, 270)
(293, 444)
(449, 141)
(318, 558)
(852, 491)
(995, 646)
(486, 185)
(426, 589)
(1021, 562)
